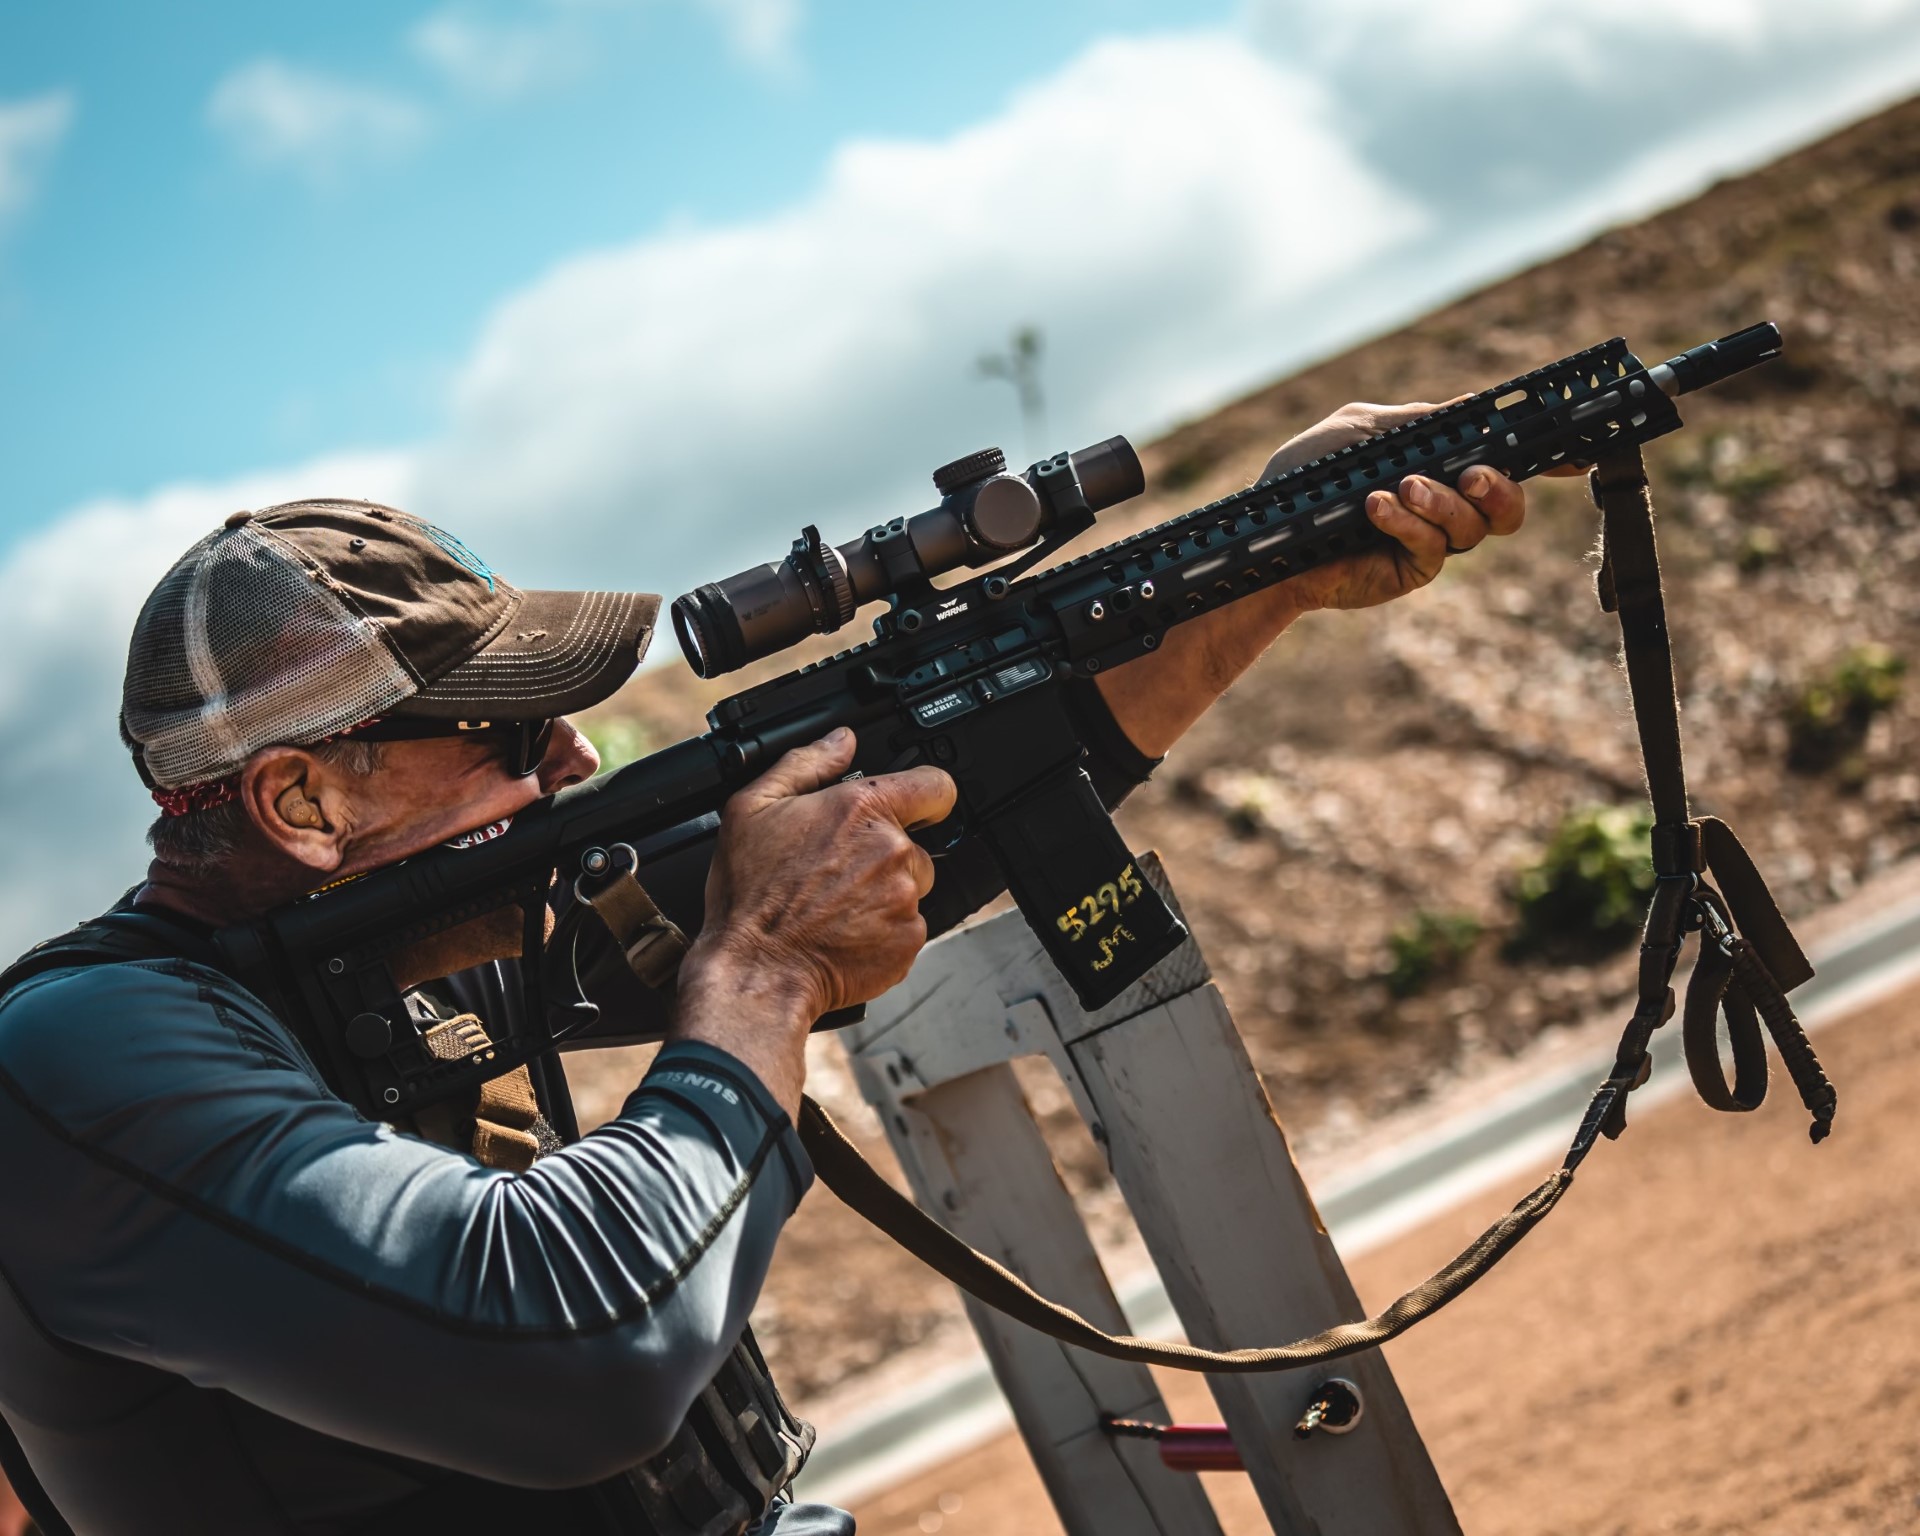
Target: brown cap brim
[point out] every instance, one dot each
(560, 652)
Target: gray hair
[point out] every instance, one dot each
(200, 842)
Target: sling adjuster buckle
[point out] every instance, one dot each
(1678, 848)
(651, 941)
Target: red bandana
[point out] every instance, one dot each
(204, 797)
(197, 797)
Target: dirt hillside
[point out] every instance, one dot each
(1382, 780)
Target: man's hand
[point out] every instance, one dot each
(813, 904)
(1158, 697)
(1427, 520)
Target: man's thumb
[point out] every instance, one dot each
(807, 768)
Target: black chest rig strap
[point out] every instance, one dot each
(738, 1449)
(1749, 961)
(731, 1459)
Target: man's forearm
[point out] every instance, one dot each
(1157, 698)
(753, 1012)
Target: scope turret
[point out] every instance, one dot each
(963, 472)
(985, 514)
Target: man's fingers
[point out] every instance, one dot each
(1352, 423)
(920, 862)
(1379, 418)
(915, 797)
(1491, 504)
(805, 769)
(1425, 544)
(1462, 525)
(1501, 502)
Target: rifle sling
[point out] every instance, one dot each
(651, 941)
(857, 1183)
(1747, 977)
(1749, 957)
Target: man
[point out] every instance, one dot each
(233, 1305)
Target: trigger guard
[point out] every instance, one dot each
(569, 1012)
(942, 837)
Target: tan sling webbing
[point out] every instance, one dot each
(507, 1109)
(851, 1177)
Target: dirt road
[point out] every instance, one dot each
(1718, 1332)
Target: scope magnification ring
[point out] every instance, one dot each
(836, 587)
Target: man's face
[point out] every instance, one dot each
(425, 793)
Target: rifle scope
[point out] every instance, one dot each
(985, 514)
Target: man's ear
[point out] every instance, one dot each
(296, 803)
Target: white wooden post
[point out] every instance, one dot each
(1165, 1084)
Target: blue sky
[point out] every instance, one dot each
(624, 291)
(175, 304)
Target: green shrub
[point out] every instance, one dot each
(1759, 548)
(619, 741)
(1720, 461)
(1590, 888)
(1827, 719)
(1746, 479)
(1689, 462)
(1432, 945)
(1187, 468)
(1242, 798)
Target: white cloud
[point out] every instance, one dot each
(503, 55)
(763, 32)
(1534, 104)
(280, 114)
(1184, 215)
(500, 60)
(1147, 205)
(30, 131)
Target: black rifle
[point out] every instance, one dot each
(966, 676)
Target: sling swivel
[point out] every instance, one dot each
(1335, 1409)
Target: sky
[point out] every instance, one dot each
(623, 291)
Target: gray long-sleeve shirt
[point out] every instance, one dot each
(206, 1253)
(231, 1304)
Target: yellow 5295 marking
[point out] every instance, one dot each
(1106, 902)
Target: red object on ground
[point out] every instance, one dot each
(1199, 1448)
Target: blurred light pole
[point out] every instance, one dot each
(1019, 365)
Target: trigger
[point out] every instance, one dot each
(943, 836)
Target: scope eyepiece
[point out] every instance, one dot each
(985, 514)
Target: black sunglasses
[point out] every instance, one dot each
(525, 741)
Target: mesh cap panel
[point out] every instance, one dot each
(299, 621)
(242, 647)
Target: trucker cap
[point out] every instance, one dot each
(296, 623)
